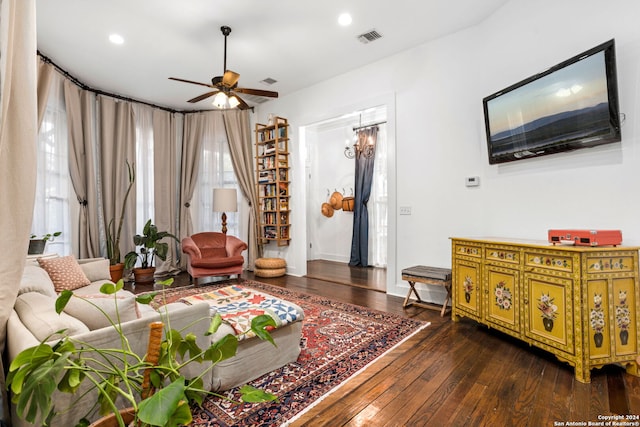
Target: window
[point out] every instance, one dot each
(215, 171)
(51, 209)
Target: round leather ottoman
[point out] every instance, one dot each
(270, 267)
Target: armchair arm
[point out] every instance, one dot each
(190, 248)
(235, 246)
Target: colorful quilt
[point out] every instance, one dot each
(239, 305)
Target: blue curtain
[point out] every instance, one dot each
(365, 157)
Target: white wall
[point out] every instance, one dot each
(435, 93)
(330, 171)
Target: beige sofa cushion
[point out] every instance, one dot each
(37, 312)
(87, 309)
(96, 269)
(65, 273)
(35, 279)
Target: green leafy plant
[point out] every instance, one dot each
(152, 386)
(49, 237)
(149, 245)
(113, 232)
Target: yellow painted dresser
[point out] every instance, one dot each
(578, 302)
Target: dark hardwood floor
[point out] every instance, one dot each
(460, 374)
(363, 277)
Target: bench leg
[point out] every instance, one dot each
(412, 289)
(446, 300)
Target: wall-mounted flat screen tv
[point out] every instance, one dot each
(569, 106)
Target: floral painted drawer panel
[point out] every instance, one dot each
(610, 264)
(469, 250)
(502, 255)
(549, 261)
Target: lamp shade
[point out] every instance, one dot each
(225, 200)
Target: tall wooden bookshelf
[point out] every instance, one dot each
(272, 169)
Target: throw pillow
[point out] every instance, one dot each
(38, 313)
(96, 269)
(65, 273)
(87, 309)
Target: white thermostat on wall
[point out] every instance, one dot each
(472, 181)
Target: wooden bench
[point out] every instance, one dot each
(430, 276)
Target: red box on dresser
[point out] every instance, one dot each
(586, 237)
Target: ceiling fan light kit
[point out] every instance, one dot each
(225, 88)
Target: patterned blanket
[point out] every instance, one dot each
(239, 305)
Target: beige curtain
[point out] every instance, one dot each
(238, 130)
(191, 150)
(82, 169)
(117, 146)
(18, 134)
(165, 170)
(45, 74)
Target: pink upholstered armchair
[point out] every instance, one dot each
(213, 254)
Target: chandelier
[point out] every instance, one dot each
(364, 143)
(363, 146)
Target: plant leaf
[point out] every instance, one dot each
(182, 416)
(38, 387)
(259, 325)
(216, 321)
(166, 282)
(251, 394)
(190, 345)
(71, 380)
(62, 300)
(146, 298)
(222, 349)
(108, 288)
(158, 409)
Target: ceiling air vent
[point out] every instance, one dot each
(268, 81)
(369, 36)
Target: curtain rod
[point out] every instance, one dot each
(369, 126)
(113, 95)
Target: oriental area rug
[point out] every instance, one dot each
(338, 341)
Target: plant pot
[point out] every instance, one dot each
(144, 275)
(111, 420)
(36, 246)
(116, 271)
(548, 324)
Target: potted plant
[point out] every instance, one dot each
(113, 233)
(151, 386)
(150, 247)
(37, 244)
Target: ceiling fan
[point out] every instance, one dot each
(225, 87)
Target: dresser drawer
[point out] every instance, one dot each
(506, 254)
(468, 249)
(614, 263)
(549, 261)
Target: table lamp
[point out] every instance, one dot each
(225, 200)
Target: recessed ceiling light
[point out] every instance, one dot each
(345, 19)
(116, 39)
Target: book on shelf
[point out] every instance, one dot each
(284, 232)
(266, 176)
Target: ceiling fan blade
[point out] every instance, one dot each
(243, 105)
(190, 81)
(257, 92)
(230, 78)
(203, 96)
